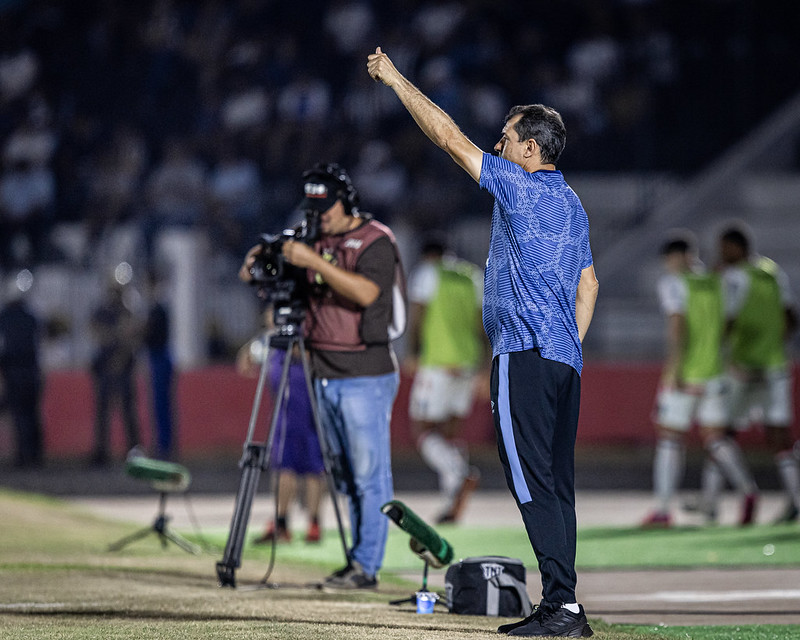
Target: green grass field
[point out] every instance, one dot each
(58, 581)
(598, 548)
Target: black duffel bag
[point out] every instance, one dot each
(487, 586)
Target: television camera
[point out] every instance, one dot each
(280, 283)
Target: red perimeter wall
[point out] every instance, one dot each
(214, 405)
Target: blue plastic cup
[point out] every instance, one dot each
(425, 601)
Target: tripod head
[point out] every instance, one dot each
(288, 317)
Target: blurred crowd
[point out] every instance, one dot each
(179, 113)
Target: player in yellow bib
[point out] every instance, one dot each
(447, 346)
(691, 389)
(761, 317)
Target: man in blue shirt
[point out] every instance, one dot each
(539, 297)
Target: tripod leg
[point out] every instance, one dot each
(254, 460)
(166, 535)
(248, 483)
(124, 542)
(179, 540)
(323, 443)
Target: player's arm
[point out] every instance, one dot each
(585, 300)
(676, 339)
(353, 286)
(434, 122)
(416, 316)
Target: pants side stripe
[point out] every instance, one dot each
(506, 427)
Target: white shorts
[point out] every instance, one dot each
(438, 394)
(678, 409)
(764, 398)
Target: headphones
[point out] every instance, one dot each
(346, 192)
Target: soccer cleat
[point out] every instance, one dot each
(657, 520)
(313, 534)
(749, 505)
(703, 507)
(279, 534)
(469, 485)
(350, 577)
(556, 623)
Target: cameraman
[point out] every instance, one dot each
(355, 276)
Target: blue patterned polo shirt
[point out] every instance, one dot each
(539, 246)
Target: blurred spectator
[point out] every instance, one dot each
(18, 72)
(235, 197)
(576, 98)
(34, 141)
(381, 179)
(176, 191)
(176, 186)
(247, 106)
(438, 20)
(205, 43)
(439, 81)
(365, 109)
(115, 182)
(22, 383)
(157, 343)
(487, 104)
(27, 194)
(595, 59)
(113, 364)
(74, 165)
(305, 100)
(350, 24)
(652, 51)
(170, 78)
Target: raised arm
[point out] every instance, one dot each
(434, 122)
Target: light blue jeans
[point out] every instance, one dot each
(355, 415)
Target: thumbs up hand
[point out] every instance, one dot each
(380, 67)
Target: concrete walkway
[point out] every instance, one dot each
(485, 508)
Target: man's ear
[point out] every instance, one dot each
(531, 148)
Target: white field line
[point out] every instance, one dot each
(708, 596)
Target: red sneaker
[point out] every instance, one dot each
(313, 534)
(657, 520)
(272, 532)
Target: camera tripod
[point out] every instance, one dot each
(160, 528)
(255, 455)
